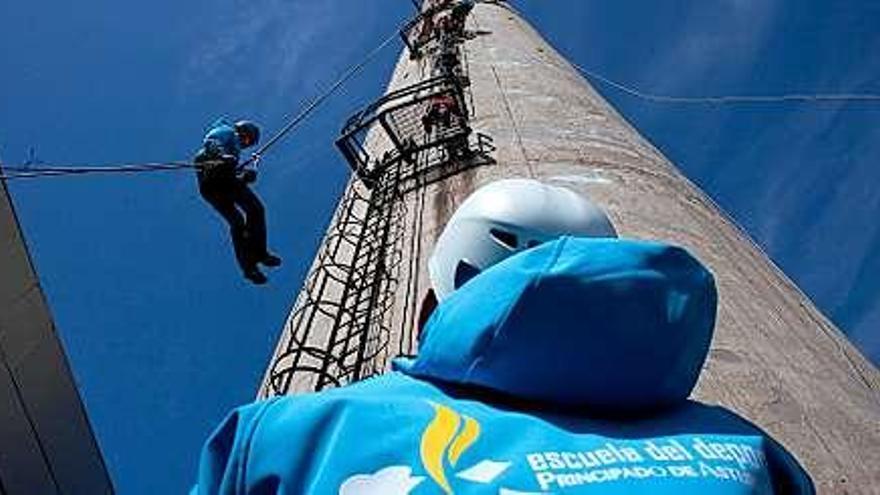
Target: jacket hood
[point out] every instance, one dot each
(606, 323)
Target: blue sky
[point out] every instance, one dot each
(163, 334)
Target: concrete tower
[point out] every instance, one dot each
(775, 358)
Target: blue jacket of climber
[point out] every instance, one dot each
(222, 139)
(563, 369)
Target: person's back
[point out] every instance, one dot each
(222, 139)
(563, 369)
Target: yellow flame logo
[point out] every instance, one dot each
(446, 435)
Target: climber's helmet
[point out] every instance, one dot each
(506, 217)
(248, 133)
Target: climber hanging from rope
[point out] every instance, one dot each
(224, 184)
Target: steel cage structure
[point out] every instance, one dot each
(347, 295)
(399, 115)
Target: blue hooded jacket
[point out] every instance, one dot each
(221, 139)
(564, 369)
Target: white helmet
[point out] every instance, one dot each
(503, 218)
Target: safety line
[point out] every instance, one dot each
(321, 98)
(732, 99)
(19, 172)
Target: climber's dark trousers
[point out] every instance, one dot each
(230, 197)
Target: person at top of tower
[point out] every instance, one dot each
(437, 23)
(460, 10)
(443, 23)
(559, 360)
(439, 112)
(426, 29)
(438, 5)
(224, 184)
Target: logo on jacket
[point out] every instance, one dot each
(444, 441)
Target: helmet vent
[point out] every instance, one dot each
(507, 239)
(464, 271)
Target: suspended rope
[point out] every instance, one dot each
(24, 172)
(27, 172)
(781, 98)
(321, 98)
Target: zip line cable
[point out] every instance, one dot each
(24, 172)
